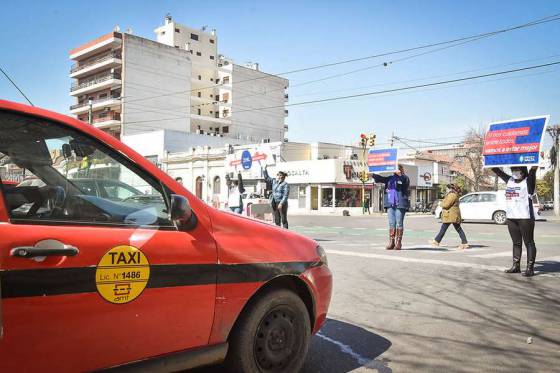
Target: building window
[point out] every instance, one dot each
(163, 33)
(194, 36)
(198, 54)
(200, 77)
(199, 187)
(211, 79)
(211, 112)
(225, 129)
(211, 41)
(199, 94)
(211, 96)
(226, 79)
(177, 46)
(225, 97)
(216, 185)
(103, 95)
(177, 30)
(199, 112)
(211, 57)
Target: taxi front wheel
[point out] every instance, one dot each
(272, 335)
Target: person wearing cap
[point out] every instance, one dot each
(279, 197)
(396, 204)
(520, 188)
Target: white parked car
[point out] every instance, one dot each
(486, 206)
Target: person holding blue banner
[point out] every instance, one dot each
(396, 204)
(520, 188)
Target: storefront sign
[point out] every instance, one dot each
(514, 142)
(380, 160)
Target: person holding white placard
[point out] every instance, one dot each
(519, 192)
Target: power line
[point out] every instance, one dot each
(397, 89)
(413, 87)
(15, 85)
(551, 18)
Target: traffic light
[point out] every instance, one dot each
(372, 140)
(363, 139)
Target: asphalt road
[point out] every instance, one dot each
(435, 310)
(426, 309)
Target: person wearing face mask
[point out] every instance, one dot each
(451, 214)
(396, 203)
(279, 197)
(520, 188)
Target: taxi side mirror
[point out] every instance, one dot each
(181, 212)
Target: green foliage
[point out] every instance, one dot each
(545, 186)
(461, 182)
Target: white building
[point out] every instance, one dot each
(131, 85)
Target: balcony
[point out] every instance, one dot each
(90, 85)
(110, 120)
(106, 42)
(203, 119)
(104, 62)
(83, 107)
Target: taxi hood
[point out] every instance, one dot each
(242, 239)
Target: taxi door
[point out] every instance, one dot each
(89, 282)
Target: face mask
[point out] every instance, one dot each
(517, 175)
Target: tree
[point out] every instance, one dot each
(545, 186)
(473, 159)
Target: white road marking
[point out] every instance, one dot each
(437, 262)
(363, 361)
(551, 259)
(359, 228)
(494, 255)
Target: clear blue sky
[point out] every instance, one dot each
(35, 37)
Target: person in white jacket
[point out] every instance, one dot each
(235, 191)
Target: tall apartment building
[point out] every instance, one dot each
(130, 85)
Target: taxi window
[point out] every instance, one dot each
(67, 177)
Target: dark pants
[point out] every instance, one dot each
(522, 230)
(280, 215)
(457, 227)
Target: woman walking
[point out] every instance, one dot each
(396, 203)
(520, 188)
(451, 214)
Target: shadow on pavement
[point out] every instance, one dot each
(341, 347)
(542, 267)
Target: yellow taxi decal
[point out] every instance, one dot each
(122, 274)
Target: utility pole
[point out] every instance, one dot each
(554, 131)
(365, 140)
(90, 111)
(392, 138)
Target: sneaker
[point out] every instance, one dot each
(433, 242)
(463, 246)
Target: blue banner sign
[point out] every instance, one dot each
(515, 142)
(380, 160)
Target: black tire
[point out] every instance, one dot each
(272, 335)
(499, 217)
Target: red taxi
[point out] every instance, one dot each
(108, 278)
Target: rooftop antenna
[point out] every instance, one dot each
(204, 27)
(117, 28)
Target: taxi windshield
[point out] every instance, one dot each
(63, 174)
